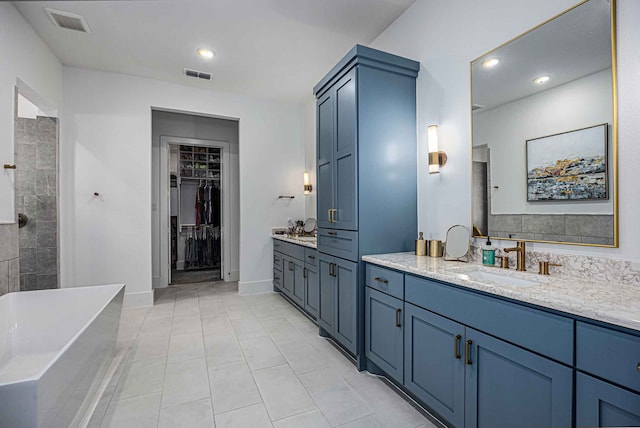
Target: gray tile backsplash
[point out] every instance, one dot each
(583, 228)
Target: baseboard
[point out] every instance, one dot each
(134, 300)
(255, 287)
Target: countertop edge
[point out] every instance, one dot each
(620, 318)
(307, 244)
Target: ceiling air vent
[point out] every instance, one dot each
(475, 107)
(67, 20)
(197, 74)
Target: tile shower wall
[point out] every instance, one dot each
(9, 266)
(36, 197)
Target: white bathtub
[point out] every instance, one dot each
(55, 348)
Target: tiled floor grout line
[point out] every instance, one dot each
(166, 362)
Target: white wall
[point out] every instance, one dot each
(445, 36)
(198, 127)
(106, 147)
(309, 136)
(504, 129)
(24, 57)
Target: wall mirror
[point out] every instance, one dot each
(544, 132)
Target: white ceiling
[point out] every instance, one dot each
(276, 49)
(571, 46)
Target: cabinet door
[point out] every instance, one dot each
(325, 116)
(346, 280)
(345, 153)
(508, 387)
(297, 292)
(327, 286)
(383, 332)
(288, 275)
(434, 362)
(601, 404)
(312, 291)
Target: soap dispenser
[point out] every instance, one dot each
(488, 253)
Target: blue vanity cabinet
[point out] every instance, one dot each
(434, 368)
(299, 283)
(384, 321)
(601, 404)
(366, 179)
(509, 387)
(337, 314)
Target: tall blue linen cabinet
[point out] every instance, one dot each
(366, 180)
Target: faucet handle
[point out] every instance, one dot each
(504, 261)
(544, 267)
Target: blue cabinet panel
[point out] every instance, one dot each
(548, 334)
(312, 290)
(434, 365)
(288, 275)
(346, 279)
(297, 292)
(508, 387)
(327, 286)
(324, 161)
(610, 354)
(384, 332)
(345, 153)
(600, 404)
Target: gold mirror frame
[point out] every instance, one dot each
(614, 100)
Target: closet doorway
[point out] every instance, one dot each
(198, 183)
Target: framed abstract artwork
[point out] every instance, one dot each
(570, 166)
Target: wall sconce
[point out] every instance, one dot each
(436, 158)
(307, 187)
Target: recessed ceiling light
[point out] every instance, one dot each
(540, 80)
(490, 62)
(205, 53)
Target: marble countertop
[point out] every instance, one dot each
(608, 302)
(305, 241)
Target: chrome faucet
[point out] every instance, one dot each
(522, 255)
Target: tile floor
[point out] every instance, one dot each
(204, 356)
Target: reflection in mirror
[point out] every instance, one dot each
(552, 87)
(456, 246)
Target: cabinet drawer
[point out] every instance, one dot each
(311, 257)
(277, 261)
(385, 280)
(540, 331)
(293, 250)
(277, 245)
(339, 243)
(610, 354)
(277, 279)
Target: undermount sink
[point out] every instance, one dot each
(496, 278)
